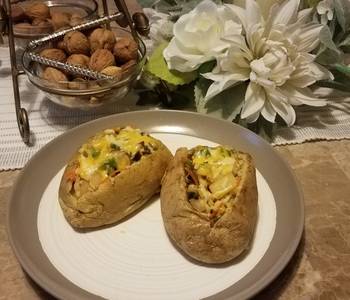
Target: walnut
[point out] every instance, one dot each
(101, 38)
(75, 20)
(100, 59)
(60, 20)
(17, 13)
(38, 10)
(54, 75)
(55, 54)
(40, 22)
(41, 26)
(129, 65)
(78, 84)
(125, 49)
(76, 43)
(61, 45)
(113, 71)
(23, 28)
(79, 60)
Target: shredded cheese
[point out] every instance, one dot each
(218, 171)
(111, 151)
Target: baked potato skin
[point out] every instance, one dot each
(191, 230)
(116, 198)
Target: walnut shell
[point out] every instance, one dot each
(76, 19)
(125, 49)
(78, 84)
(17, 13)
(113, 71)
(38, 10)
(101, 59)
(60, 20)
(79, 60)
(23, 28)
(53, 75)
(61, 45)
(55, 54)
(40, 22)
(101, 38)
(129, 65)
(76, 43)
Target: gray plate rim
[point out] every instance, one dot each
(27, 191)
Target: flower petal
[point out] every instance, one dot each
(252, 13)
(221, 82)
(265, 7)
(182, 59)
(180, 32)
(301, 79)
(284, 109)
(320, 72)
(304, 15)
(298, 96)
(239, 12)
(268, 112)
(254, 100)
(253, 118)
(308, 38)
(287, 12)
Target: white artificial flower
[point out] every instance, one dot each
(325, 9)
(274, 55)
(161, 28)
(197, 36)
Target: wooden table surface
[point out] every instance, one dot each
(320, 268)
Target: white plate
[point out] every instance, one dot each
(135, 259)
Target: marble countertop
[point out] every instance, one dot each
(320, 268)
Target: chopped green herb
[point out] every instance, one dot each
(95, 152)
(114, 147)
(109, 165)
(205, 152)
(225, 152)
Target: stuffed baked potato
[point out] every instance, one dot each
(209, 202)
(111, 175)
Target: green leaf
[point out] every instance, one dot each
(334, 85)
(345, 42)
(157, 66)
(207, 67)
(342, 69)
(226, 105)
(326, 38)
(328, 53)
(200, 90)
(329, 57)
(340, 13)
(312, 3)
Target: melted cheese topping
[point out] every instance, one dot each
(217, 170)
(213, 162)
(111, 151)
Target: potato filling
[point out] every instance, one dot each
(109, 153)
(212, 176)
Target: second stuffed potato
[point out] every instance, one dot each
(209, 202)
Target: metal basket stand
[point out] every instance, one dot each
(138, 24)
